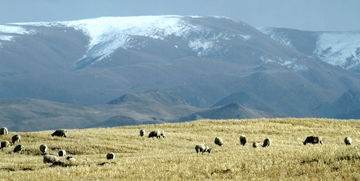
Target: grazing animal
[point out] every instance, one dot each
(62, 153)
(15, 138)
(255, 144)
(348, 141)
(4, 144)
(242, 140)
(18, 148)
(110, 156)
(59, 133)
(59, 163)
(202, 149)
(218, 141)
(266, 143)
(4, 131)
(50, 158)
(142, 132)
(156, 134)
(312, 140)
(70, 159)
(43, 149)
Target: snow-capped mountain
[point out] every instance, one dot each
(8, 33)
(172, 66)
(106, 35)
(336, 48)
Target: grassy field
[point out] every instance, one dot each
(175, 158)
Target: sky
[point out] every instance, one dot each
(327, 15)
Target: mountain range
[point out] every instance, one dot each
(113, 71)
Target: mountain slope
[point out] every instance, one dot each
(35, 114)
(192, 62)
(230, 111)
(336, 48)
(32, 114)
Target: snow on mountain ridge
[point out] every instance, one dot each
(116, 32)
(10, 29)
(107, 34)
(201, 46)
(279, 37)
(290, 64)
(8, 32)
(341, 49)
(335, 48)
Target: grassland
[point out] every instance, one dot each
(174, 157)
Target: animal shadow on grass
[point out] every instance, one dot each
(106, 163)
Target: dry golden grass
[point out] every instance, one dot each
(174, 158)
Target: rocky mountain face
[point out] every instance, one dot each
(149, 69)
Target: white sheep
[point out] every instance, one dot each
(156, 134)
(62, 153)
(202, 149)
(313, 140)
(218, 141)
(71, 159)
(4, 131)
(18, 148)
(43, 149)
(4, 144)
(15, 138)
(50, 159)
(110, 156)
(348, 141)
(142, 132)
(266, 143)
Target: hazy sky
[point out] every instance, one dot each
(301, 14)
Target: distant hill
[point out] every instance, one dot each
(345, 107)
(32, 114)
(35, 114)
(230, 111)
(162, 68)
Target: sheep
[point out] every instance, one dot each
(218, 141)
(242, 140)
(4, 131)
(18, 148)
(110, 156)
(255, 144)
(70, 159)
(156, 134)
(142, 132)
(50, 158)
(202, 149)
(59, 133)
(312, 140)
(266, 143)
(15, 138)
(348, 141)
(43, 149)
(4, 144)
(59, 163)
(62, 153)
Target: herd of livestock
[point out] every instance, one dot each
(62, 159)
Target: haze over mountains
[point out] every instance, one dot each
(129, 70)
